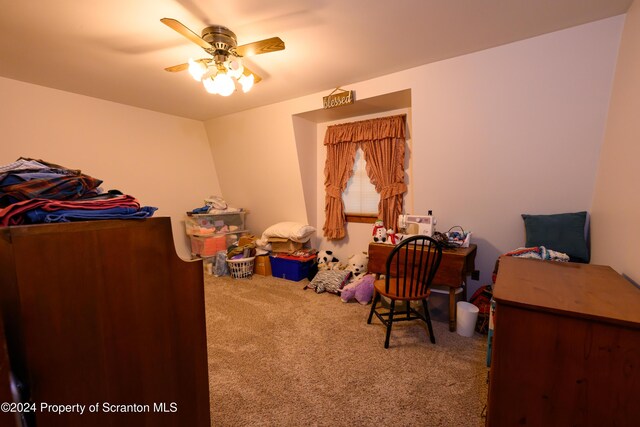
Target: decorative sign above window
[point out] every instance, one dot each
(343, 97)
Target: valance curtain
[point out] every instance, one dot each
(382, 141)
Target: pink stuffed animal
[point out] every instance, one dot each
(361, 289)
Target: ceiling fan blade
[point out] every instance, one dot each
(179, 67)
(273, 44)
(184, 31)
(256, 78)
(182, 67)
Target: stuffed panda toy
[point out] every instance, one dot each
(326, 261)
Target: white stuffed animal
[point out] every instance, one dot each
(326, 261)
(394, 238)
(358, 265)
(379, 232)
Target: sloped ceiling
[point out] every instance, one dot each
(117, 49)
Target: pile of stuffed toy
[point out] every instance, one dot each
(348, 280)
(351, 280)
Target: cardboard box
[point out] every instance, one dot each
(262, 265)
(247, 239)
(280, 245)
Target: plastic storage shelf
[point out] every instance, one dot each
(210, 233)
(209, 224)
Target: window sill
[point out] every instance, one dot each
(361, 218)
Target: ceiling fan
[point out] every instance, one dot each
(220, 72)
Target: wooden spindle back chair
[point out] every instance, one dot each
(410, 269)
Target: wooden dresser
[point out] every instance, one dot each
(104, 312)
(566, 346)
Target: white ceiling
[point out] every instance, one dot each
(117, 49)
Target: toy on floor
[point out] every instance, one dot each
(326, 261)
(361, 289)
(379, 232)
(358, 265)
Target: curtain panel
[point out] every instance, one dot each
(382, 141)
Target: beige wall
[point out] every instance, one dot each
(162, 160)
(616, 206)
(510, 130)
(513, 130)
(256, 158)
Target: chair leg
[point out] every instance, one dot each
(376, 299)
(390, 320)
(428, 319)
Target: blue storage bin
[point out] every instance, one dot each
(290, 267)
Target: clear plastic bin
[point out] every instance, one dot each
(209, 224)
(207, 246)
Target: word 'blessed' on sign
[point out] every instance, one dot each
(338, 99)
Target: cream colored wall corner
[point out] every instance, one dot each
(257, 161)
(162, 160)
(616, 204)
(305, 134)
(497, 133)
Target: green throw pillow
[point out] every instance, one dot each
(561, 232)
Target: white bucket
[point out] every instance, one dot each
(467, 315)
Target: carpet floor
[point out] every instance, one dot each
(283, 356)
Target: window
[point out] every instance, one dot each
(360, 197)
(383, 141)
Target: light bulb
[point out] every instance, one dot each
(224, 84)
(209, 85)
(235, 67)
(247, 82)
(197, 69)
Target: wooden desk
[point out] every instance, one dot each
(566, 346)
(454, 268)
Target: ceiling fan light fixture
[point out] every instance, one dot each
(197, 69)
(220, 73)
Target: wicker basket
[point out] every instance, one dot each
(241, 268)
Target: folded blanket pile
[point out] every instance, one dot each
(35, 191)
